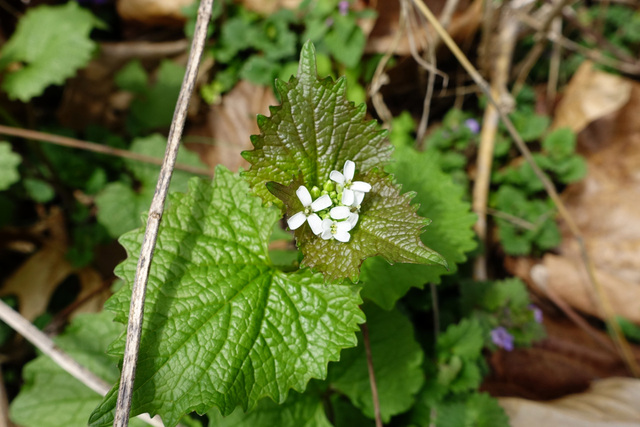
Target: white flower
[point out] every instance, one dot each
(310, 207)
(354, 211)
(349, 187)
(336, 230)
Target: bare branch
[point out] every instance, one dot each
(62, 359)
(136, 311)
(92, 146)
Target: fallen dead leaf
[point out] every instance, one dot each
(609, 402)
(591, 95)
(605, 206)
(565, 362)
(464, 24)
(36, 279)
(153, 12)
(230, 124)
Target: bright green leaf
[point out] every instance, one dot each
(50, 397)
(50, 43)
(529, 125)
(40, 191)
(560, 143)
(450, 234)
(397, 362)
(153, 108)
(477, 409)
(132, 77)
(119, 206)
(222, 326)
(299, 410)
(9, 162)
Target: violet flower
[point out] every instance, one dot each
(537, 313)
(502, 338)
(343, 7)
(472, 125)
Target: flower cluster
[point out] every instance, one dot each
(340, 193)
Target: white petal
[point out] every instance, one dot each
(361, 186)
(339, 212)
(359, 196)
(326, 224)
(342, 236)
(343, 226)
(349, 170)
(296, 221)
(321, 202)
(304, 195)
(347, 197)
(326, 234)
(315, 223)
(353, 219)
(337, 177)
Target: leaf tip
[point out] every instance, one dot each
(307, 66)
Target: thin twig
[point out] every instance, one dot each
(62, 359)
(608, 312)
(4, 404)
(96, 148)
(534, 53)
(554, 65)
(372, 375)
(505, 41)
(592, 54)
(136, 310)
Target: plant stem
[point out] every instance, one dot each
(92, 146)
(372, 375)
(136, 311)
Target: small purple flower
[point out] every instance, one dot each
(502, 338)
(537, 313)
(343, 7)
(472, 125)
(328, 22)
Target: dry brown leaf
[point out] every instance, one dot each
(464, 24)
(591, 94)
(609, 402)
(36, 279)
(230, 125)
(267, 7)
(153, 12)
(567, 361)
(606, 208)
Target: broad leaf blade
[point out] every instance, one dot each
(299, 410)
(314, 131)
(9, 162)
(222, 326)
(53, 43)
(50, 397)
(397, 362)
